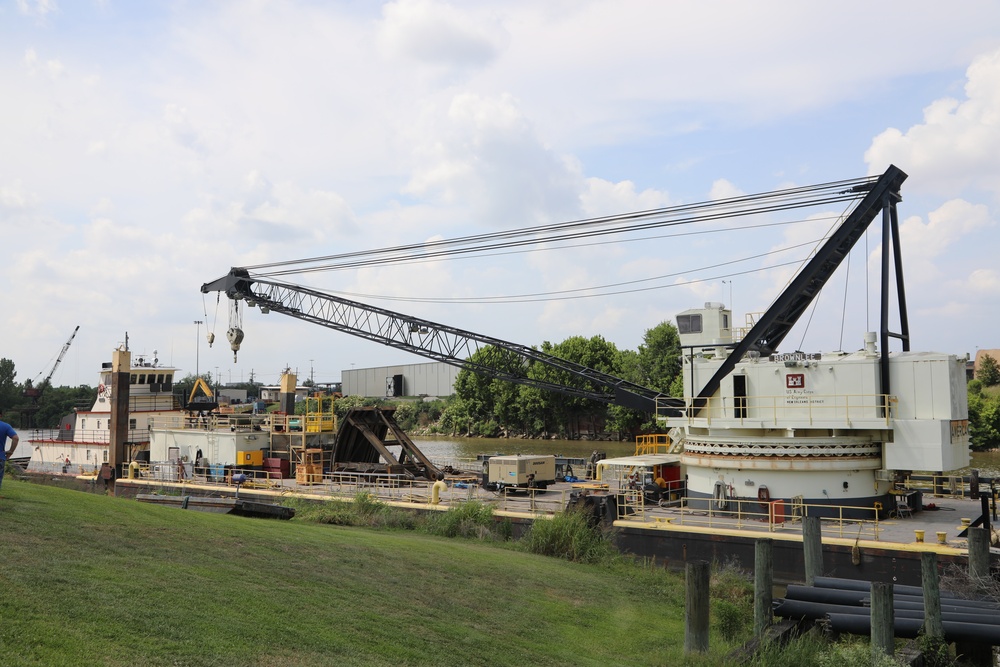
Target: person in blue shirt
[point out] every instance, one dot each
(6, 431)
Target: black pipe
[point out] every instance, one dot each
(861, 585)
(827, 595)
(955, 602)
(909, 628)
(799, 609)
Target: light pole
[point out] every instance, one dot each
(197, 346)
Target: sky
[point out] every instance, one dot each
(146, 148)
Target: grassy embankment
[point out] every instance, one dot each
(89, 579)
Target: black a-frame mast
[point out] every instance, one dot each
(772, 327)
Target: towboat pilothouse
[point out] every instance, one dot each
(81, 444)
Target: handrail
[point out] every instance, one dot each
(748, 514)
(781, 409)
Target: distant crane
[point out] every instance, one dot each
(34, 392)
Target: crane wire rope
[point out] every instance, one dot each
(520, 298)
(591, 227)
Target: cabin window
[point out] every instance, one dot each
(159, 378)
(83, 424)
(98, 424)
(142, 378)
(105, 456)
(131, 424)
(132, 378)
(725, 321)
(88, 454)
(689, 324)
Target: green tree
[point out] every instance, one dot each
(659, 357)
(10, 391)
(984, 421)
(565, 414)
(988, 371)
(489, 400)
(57, 402)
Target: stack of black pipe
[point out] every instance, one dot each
(846, 605)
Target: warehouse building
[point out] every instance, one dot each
(431, 379)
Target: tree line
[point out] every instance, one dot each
(489, 407)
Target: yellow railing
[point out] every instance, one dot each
(652, 443)
(749, 515)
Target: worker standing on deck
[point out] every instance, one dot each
(6, 431)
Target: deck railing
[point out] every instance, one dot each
(843, 521)
(758, 411)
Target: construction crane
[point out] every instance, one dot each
(510, 361)
(34, 392)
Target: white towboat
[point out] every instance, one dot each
(81, 443)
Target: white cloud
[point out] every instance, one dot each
(957, 144)
(603, 197)
(14, 197)
(484, 155)
(439, 34)
(52, 69)
(37, 8)
(723, 189)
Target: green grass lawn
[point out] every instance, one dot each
(96, 580)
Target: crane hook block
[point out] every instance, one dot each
(211, 338)
(235, 336)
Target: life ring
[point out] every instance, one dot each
(720, 496)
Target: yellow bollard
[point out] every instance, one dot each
(919, 534)
(942, 537)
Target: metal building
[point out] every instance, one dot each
(431, 379)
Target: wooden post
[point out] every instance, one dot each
(696, 613)
(883, 632)
(763, 583)
(932, 595)
(979, 554)
(812, 548)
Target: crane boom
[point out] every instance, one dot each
(433, 340)
(36, 392)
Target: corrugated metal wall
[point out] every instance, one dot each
(431, 379)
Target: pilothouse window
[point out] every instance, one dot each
(689, 324)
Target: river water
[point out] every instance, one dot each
(445, 449)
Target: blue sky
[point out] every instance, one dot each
(147, 147)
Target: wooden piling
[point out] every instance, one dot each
(698, 574)
(979, 554)
(883, 632)
(812, 548)
(763, 584)
(932, 595)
